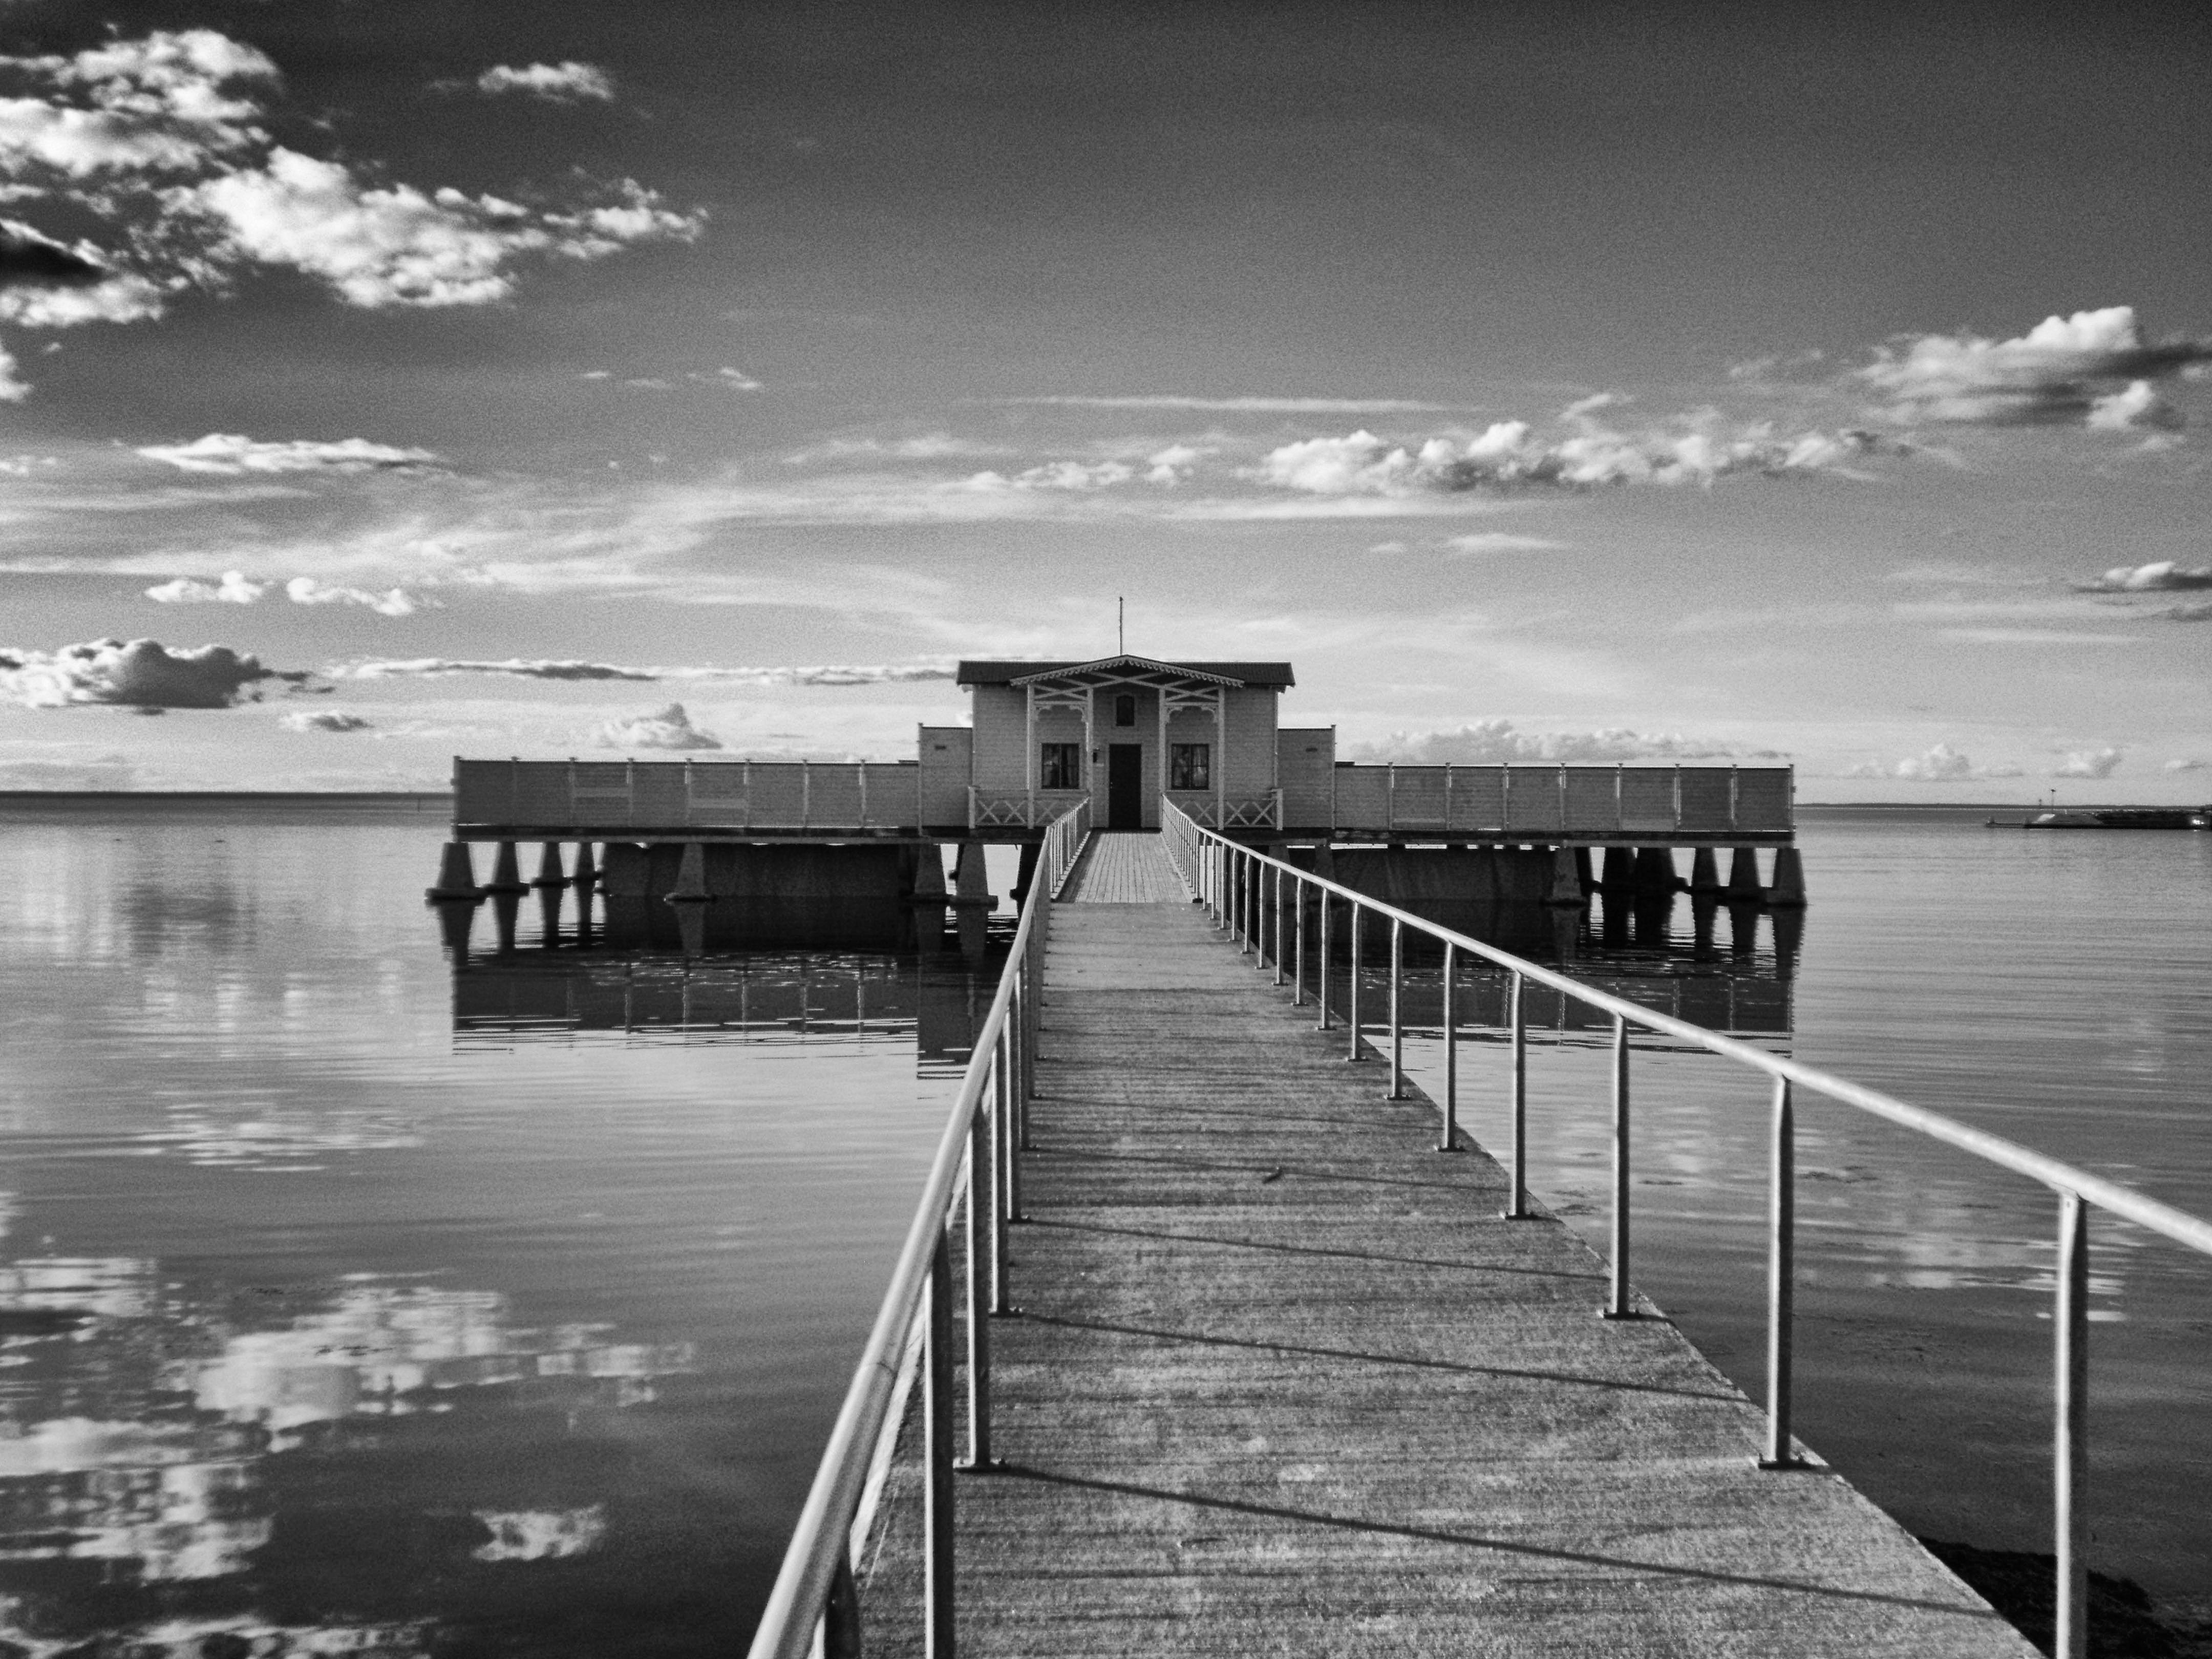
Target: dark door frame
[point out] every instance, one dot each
(1125, 786)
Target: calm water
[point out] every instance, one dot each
(350, 1300)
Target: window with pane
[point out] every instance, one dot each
(1190, 766)
(1062, 766)
(1125, 710)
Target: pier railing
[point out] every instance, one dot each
(602, 795)
(1261, 902)
(1714, 802)
(973, 1181)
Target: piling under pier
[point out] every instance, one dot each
(1285, 1382)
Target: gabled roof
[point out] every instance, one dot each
(1265, 676)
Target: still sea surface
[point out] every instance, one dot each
(357, 1293)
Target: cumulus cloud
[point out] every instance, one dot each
(234, 589)
(1174, 463)
(2088, 764)
(2164, 576)
(164, 102)
(550, 669)
(392, 602)
(562, 84)
(670, 728)
(232, 454)
(1941, 764)
(2092, 368)
(1509, 453)
(324, 719)
(138, 673)
(398, 246)
(162, 139)
(1499, 742)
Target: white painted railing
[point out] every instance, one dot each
(815, 1597)
(1245, 891)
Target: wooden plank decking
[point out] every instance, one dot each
(1284, 1383)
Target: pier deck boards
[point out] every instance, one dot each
(1284, 1384)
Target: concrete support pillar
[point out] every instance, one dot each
(1619, 875)
(506, 872)
(1585, 869)
(1566, 879)
(970, 880)
(1031, 852)
(1788, 935)
(457, 875)
(454, 921)
(691, 926)
(548, 866)
(505, 908)
(1655, 871)
(1704, 907)
(1788, 892)
(691, 886)
(1743, 885)
(1705, 871)
(587, 871)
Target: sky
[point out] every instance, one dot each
(389, 381)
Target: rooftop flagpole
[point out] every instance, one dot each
(1120, 626)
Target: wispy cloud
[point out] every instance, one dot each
(562, 84)
(554, 669)
(2163, 576)
(1476, 542)
(2094, 368)
(231, 454)
(1247, 406)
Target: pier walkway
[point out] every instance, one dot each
(1284, 1383)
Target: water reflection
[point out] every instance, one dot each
(144, 1418)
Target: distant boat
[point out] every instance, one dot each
(2120, 818)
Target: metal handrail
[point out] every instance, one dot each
(1243, 890)
(976, 1156)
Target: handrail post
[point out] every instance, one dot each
(1009, 1207)
(1621, 1307)
(2070, 1452)
(1397, 1010)
(1781, 1280)
(983, 1267)
(937, 1442)
(1298, 942)
(1278, 876)
(1447, 1138)
(1353, 1012)
(841, 1614)
(1321, 979)
(1247, 910)
(1517, 1017)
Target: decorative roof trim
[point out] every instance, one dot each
(1112, 666)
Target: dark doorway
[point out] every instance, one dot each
(1125, 786)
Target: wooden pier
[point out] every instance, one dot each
(1283, 1381)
